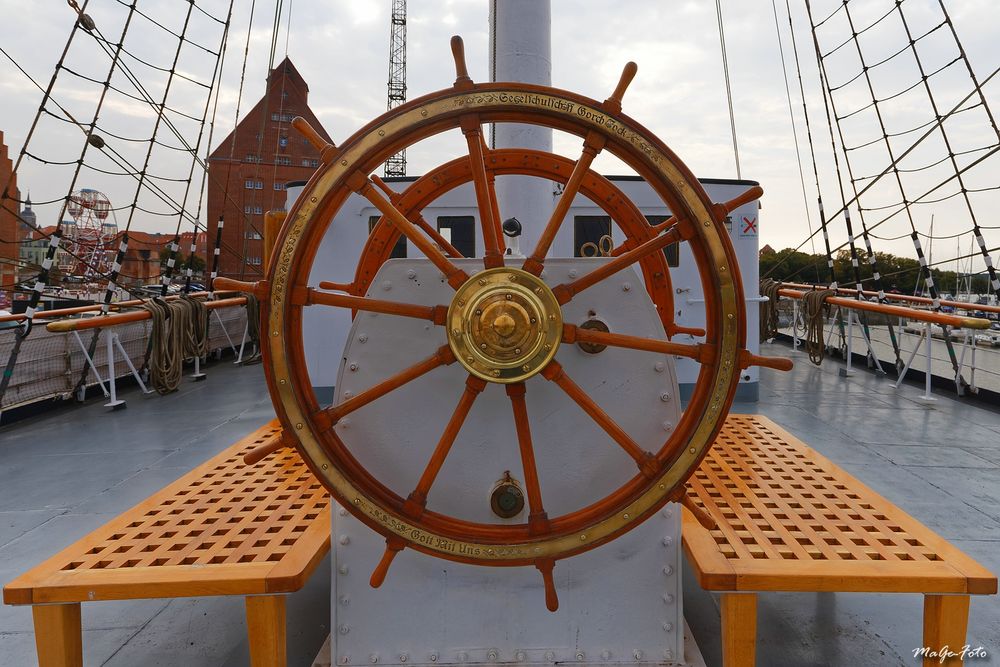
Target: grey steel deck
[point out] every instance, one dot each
(67, 472)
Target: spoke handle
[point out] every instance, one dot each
(221, 284)
(748, 359)
(614, 102)
(462, 78)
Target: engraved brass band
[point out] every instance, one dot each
(381, 139)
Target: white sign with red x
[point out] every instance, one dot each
(748, 226)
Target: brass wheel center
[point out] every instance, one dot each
(504, 325)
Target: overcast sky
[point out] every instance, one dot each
(341, 49)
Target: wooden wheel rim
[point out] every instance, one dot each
(354, 487)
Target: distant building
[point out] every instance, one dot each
(9, 223)
(248, 171)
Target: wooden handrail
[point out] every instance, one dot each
(959, 305)
(934, 317)
(61, 326)
(76, 310)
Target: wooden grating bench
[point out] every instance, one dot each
(225, 528)
(790, 520)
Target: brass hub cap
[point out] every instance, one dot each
(504, 325)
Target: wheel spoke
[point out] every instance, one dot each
(473, 131)
(491, 181)
(592, 145)
(646, 461)
(700, 352)
(537, 518)
(311, 297)
(566, 291)
(418, 219)
(363, 186)
(327, 417)
(417, 500)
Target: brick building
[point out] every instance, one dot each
(249, 169)
(10, 232)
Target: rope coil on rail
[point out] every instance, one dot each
(815, 309)
(769, 309)
(179, 331)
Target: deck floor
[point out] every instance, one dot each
(68, 471)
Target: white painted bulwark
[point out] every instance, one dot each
(616, 602)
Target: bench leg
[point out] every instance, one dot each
(946, 619)
(266, 630)
(739, 629)
(58, 635)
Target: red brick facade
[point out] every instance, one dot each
(266, 153)
(9, 232)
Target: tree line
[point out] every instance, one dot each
(898, 273)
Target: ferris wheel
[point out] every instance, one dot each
(90, 236)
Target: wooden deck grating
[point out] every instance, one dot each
(253, 529)
(787, 518)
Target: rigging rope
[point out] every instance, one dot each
(729, 88)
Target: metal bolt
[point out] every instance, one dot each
(668, 570)
(411, 274)
(348, 394)
(343, 569)
(342, 512)
(659, 367)
(664, 396)
(463, 656)
(345, 659)
(512, 277)
(667, 541)
(668, 598)
(668, 627)
(549, 656)
(457, 333)
(547, 347)
(552, 317)
(470, 359)
(483, 281)
(572, 273)
(668, 513)
(482, 345)
(354, 367)
(508, 296)
(517, 350)
(519, 656)
(479, 311)
(637, 654)
(344, 629)
(345, 540)
(363, 338)
(626, 287)
(403, 657)
(373, 658)
(668, 426)
(668, 654)
(345, 422)
(691, 450)
(526, 367)
(492, 655)
(605, 655)
(532, 320)
(345, 600)
(386, 286)
(434, 657)
(496, 372)
(580, 655)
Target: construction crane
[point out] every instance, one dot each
(396, 165)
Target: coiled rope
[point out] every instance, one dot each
(815, 309)
(769, 309)
(179, 331)
(253, 328)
